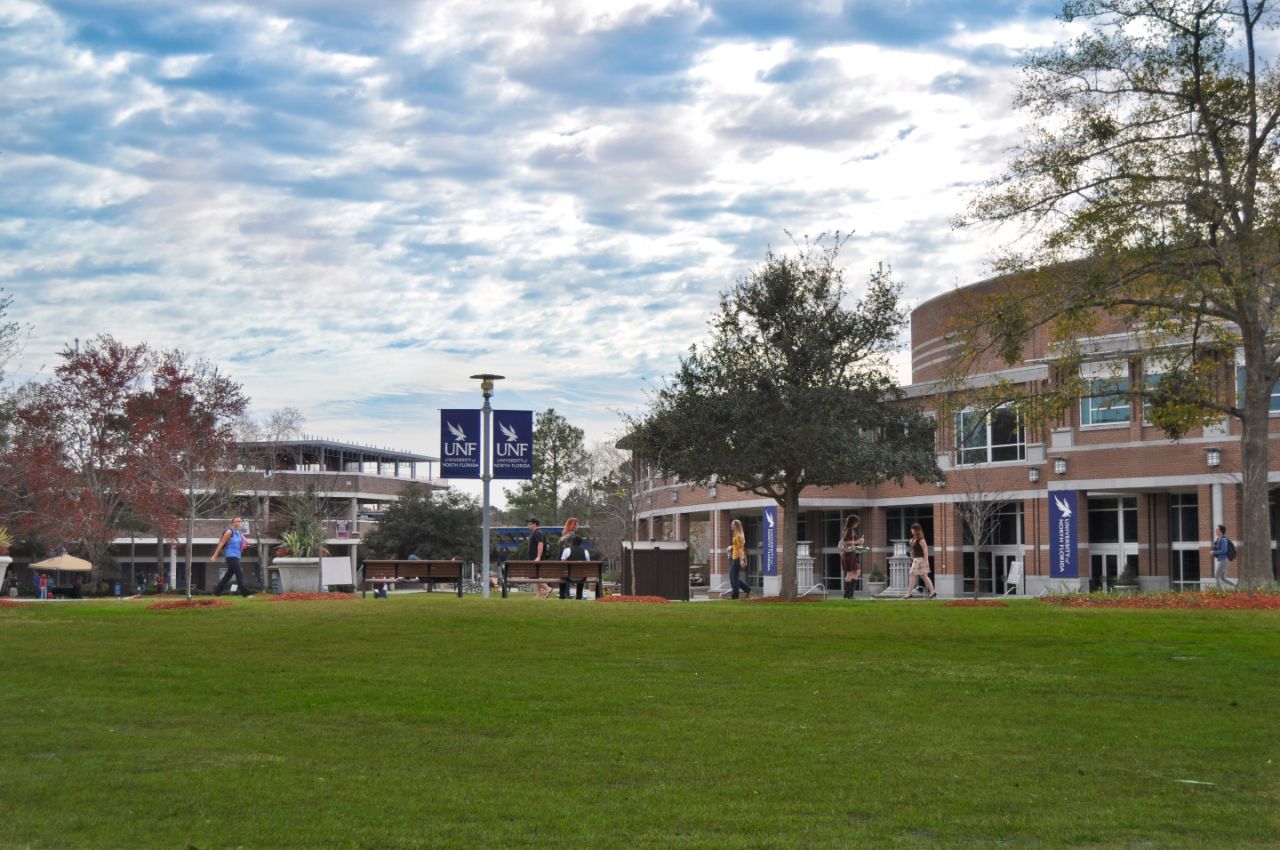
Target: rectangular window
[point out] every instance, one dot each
(996, 437)
(1184, 518)
(1106, 393)
(1275, 391)
(1108, 517)
(898, 522)
(1005, 525)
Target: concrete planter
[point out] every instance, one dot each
(875, 588)
(5, 561)
(298, 575)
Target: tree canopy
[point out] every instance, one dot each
(792, 391)
(559, 461)
(440, 525)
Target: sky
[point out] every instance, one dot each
(353, 207)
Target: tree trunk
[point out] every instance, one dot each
(790, 505)
(191, 533)
(1255, 445)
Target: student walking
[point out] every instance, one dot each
(919, 562)
(738, 560)
(234, 542)
(1222, 552)
(538, 551)
(568, 534)
(851, 542)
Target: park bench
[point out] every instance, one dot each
(425, 572)
(553, 572)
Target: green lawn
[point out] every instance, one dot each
(429, 721)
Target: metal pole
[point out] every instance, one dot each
(485, 476)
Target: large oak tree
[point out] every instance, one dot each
(792, 391)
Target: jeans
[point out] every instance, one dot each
(1220, 575)
(735, 578)
(233, 570)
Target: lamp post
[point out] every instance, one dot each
(486, 475)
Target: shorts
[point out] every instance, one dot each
(919, 567)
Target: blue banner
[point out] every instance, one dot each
(1063, 524)
(460, 443)
(769, 545)
(513, 444)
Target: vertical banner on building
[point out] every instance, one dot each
(460, 443)
(513, 444)
(1063, 525)
(769, 545)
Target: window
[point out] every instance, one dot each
(1005, 525)
(998, 436)
(1108, 516)
(1106, 394)
(1184, 518)
(1275, 391)
(898, 522)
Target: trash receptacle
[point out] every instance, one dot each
(117, 588)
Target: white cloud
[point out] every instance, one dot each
(353, 213)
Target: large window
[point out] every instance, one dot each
(1004, 524)
(898, 522)
(1184, 539)
(1275, 391)
(990, 438)
(1110, 518)
(1106, 394)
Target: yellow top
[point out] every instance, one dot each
(739, 550)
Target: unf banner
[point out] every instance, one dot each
(1063, 525)
(513, 444)
(460, 443)
(769, 545)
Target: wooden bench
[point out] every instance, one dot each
(425, 571)
(553, 572)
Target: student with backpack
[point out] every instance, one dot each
(1224, 551)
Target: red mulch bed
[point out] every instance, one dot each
(1213, 600)
(311, 597)
(976, 603)
(10, 603)
(643, 600)
(177, 604)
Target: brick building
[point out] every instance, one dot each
(1143, 501)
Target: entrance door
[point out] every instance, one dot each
(1113, 539)
(993, 572)
(1105, 567)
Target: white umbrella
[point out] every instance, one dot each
(66, 563)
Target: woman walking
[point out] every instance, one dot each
(738, 560)
(234, 542)
(851, 542)
(919, 562)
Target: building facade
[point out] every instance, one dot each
(1143, 504)
(350, 483)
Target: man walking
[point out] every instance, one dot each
(234, 542)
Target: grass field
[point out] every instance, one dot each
(429, 721)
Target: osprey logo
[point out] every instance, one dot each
(769, 519)
(1063, 507)
(508, 432)
(457, 432)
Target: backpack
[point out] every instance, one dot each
(1231, 550)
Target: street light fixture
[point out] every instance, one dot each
(1213, 456)
(486, 475)
(1060, 465)
(1033, 474)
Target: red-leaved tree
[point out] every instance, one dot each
(185, 426)
(73, 450)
